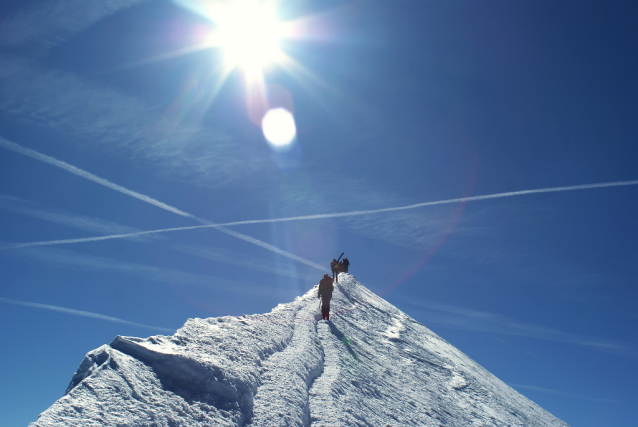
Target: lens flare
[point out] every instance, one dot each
(279, 128)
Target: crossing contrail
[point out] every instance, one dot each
(438, 202)
(91, 177)
(81, 313)
(87, 175)
(321, 216)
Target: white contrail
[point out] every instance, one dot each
(140, 233)
(87, 175)
(98, 238)
(81, 313)
(91, 177)
(439, 202)
(320, 216)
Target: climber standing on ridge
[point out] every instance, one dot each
(325, 293)
(334, 266)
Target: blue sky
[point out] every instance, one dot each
(112, 124)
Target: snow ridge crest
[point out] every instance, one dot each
(370, 365)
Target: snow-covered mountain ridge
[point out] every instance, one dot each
(370, 365)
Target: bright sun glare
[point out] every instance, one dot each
(249, 33)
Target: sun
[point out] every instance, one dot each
(249, 35)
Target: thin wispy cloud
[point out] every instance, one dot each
(98, 238)
(84, 110)
(458, 317)
(227, 257)
(81, 313)
(45, 24)
(60, 258)
(91, 177)
(30, 209)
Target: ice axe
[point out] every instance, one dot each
(338, 259)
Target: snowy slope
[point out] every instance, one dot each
(371, 365)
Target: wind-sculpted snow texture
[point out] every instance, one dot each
(370, 365)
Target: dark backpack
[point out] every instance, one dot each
(325, 289)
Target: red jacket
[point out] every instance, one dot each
(325, 289)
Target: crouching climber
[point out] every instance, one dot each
(325, 293)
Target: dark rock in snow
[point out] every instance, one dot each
(370, 365)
